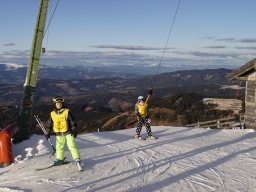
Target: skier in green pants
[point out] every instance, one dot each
(63, 124)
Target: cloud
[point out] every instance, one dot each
(114, 57)
(243, 40)
(97, 58)
(137, 48)
(208, 37)
(248, 48)
(226, 39)
(247, 40)
(8, 44)
(209, 54)
(216, 47)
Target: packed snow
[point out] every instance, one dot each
(180, 160)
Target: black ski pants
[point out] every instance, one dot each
(141, 121)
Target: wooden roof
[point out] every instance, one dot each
(243, 71)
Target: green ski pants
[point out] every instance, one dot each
(71, 143)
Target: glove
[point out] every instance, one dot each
(150, 91)
(74, 132)
(47, 135)
(138, 114)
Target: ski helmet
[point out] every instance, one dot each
(58, 99)
(140, 97)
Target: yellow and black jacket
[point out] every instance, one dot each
(62, 122)
(142, 110)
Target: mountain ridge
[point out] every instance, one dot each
(206, 82)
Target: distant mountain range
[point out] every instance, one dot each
(110, 88)
(15, 74)
(184, 78)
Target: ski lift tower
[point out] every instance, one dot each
(24, 118)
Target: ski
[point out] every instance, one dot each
(52, 165)
(139, 137)
(146, 138)
(152, 138)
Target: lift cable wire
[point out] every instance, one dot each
(48, 25)
(165, 47)
(47, 33)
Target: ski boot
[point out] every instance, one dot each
(137, 136)
(79, 165)
(58, 162)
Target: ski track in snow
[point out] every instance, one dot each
(182, 159)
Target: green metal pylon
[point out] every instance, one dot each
(24, 119)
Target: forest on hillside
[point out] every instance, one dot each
(178, 110)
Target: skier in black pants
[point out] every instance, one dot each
(141, 111)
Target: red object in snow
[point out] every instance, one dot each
(6, 145)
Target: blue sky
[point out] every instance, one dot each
(206, 33)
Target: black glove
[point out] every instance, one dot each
(47, 135)
(74, 132)
(150, 91)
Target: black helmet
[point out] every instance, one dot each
(58, 99)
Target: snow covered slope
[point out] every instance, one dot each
(181, 160)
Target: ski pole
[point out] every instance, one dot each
(132, 123)
(44, 130)
(149, 114)
(40, 124)
(53, 148)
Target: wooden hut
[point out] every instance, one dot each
(247, 73)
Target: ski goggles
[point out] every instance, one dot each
(58, 100)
